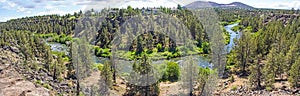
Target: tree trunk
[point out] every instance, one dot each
(78, 88)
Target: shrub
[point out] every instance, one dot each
(102, 52)
(231, 78)
(234, 88)
(269, 88)
(47, 86)
(98, 66)
(38, 82)
(172, 72)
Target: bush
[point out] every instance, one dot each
(206, 47)
(47, 86)
(231, 79)
(98, 66)
(38, 82)
(269, 88)
(234, 88)
(172, 72)
(102, 52)
(159, 47)
(61, 38)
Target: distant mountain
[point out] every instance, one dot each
(209, 4)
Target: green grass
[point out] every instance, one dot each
(38, 82)
(229, 23)
(45, 85)
(237, 28)
(226, 36)
(63, 39)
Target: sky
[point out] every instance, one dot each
(11, 9)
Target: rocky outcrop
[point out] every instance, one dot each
(11, 82)
(244, 91)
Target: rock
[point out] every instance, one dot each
(121, 82)
(15, 49)
(295, 91)
(63, 84)
(23, 93)
(5, 47)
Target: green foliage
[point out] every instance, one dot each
(172, 72)
(159, 47)
(61, 54)
(47, 86)
(43, 24)
(142, 66)
(294, 78)
(82, 61)
(99, 52)
(237, 28)
(269, 89)
(242, 52)
(47, 35)
(106, 74)
(231, 60)
(206, 47)
(204, 76)
(226, 36)
(234, 88)
(231, 78)
(98, 66)
(267, 48)
(38, 82)
(63, 39)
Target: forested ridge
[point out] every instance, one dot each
(268, 49)
(267, 52)
(114, 18)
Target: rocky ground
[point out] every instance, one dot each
(239, 88)
(15, 81)
(11, 82)
(13, 60)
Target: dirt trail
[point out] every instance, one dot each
(169, 89)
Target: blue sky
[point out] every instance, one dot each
(10, 9)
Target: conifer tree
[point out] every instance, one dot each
(294, 77)
(255, 77)
(269, 69)
(106, 79)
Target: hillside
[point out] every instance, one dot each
(209, 4)
(91, 54)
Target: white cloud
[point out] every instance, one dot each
(150, 3)
(54, 11)
(11, 4)
(280, 5)
(2, 1)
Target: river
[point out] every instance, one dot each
(125, 66)
(233, 35)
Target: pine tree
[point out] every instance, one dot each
(269, 69)
(106, 79)
(81, 59)
(294, 77)
(48, 58)
(143, 76)
(255, 77)
(243, 51)
(293, 53)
